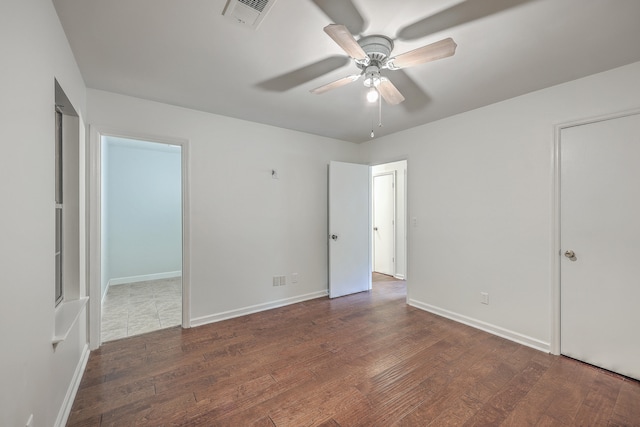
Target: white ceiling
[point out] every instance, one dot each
(186, 53)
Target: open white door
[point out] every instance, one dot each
(600, 231)
(349, 229)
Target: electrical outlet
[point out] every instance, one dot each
(279, 280)
(484, 297)
(414, 221)
(294, 277)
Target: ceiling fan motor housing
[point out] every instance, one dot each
(378, 49)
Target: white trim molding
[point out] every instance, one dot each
(67, 403)
(199, 321)
(144, 278)
(484, 326)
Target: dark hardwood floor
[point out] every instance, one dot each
(362, 360)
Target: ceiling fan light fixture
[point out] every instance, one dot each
(372, 80)
(372, 95)
(372, 77)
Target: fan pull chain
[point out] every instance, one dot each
(379, 117)
(372, 134)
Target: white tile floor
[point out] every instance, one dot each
(136, 308)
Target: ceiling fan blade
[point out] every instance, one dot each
(342, 11)
(461, 13)
(389, 92)
(430, 52)
(341, 35)
(305, 74)
(341, 82)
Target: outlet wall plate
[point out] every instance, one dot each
(484, 297)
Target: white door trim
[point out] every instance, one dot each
(556, 231)
(94, 219)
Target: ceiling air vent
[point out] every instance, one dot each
(248, 13)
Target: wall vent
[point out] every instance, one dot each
(249, 13)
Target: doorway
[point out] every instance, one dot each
(389, 213)
(350, 219)
(598, 235)
(170, 269)
(141, 230)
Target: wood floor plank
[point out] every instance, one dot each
(601, 399)
(570, 390)
(627, 407)
(362, 360)
(150, 412)
(463, 378)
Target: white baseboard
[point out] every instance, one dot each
(67, 403)
(399, 276)
(143, 278)
(487, 327)
(199, 321)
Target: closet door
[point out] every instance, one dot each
(600, 240)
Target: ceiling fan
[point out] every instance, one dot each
(346, 12)
(372, 54)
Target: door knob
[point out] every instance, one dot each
(570, 254)
(334, 236)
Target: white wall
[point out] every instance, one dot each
(480, 188)
(245, 226)
(34, 51)
(143, 207)
(400, 169)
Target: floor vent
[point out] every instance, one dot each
(249, 13)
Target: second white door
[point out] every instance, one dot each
(383, 223)
(600, 239)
